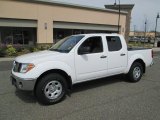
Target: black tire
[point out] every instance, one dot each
(44, 89)
(132, 77)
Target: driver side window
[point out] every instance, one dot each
(93, 45)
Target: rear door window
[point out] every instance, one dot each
(114, 43)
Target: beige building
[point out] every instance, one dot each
(124, 7)
(40, 21)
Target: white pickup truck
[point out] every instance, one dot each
(74, 59)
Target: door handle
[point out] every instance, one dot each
(123, 54)
(103, 56)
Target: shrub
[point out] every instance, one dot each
(44, 47)
(48, 46)
(41, 48)
(19, 49)
(31, 49)
(11, 51)
(25, 51)
(35, 49)
(2, 52)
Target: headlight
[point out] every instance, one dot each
(14, 63)
(25, 67)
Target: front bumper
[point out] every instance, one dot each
(23, 84)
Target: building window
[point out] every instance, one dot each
(18, 36)
(59, 33)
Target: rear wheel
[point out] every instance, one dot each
(135, 72)
(51, 89)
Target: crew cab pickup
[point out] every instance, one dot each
(50, 74)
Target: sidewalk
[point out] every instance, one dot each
(156, 49)
(6, 59)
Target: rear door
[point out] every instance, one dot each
(117, 55)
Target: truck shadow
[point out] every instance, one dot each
(98, 83)
(28, 97)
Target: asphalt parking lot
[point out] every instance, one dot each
(104, 99)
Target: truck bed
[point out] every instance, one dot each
(142, 53)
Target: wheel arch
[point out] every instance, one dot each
(142, 63)
(59, 71)
(136, 58)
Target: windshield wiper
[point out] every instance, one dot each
(54, 50)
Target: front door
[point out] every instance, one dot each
(93, 63)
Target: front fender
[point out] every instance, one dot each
(50, 65)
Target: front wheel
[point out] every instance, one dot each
(135, 72)
(51, 89)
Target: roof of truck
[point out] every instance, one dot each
(99, 34)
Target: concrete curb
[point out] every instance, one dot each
(156, 49)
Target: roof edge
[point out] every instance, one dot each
(48, 2)
(123, 6)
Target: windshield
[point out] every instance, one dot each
(65, 45)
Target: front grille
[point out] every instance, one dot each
(17, 67)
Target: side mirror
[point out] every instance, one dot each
(83, 50)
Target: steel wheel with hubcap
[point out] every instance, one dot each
(135, 72)
(51, 89)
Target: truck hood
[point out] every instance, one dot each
(37, 56)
